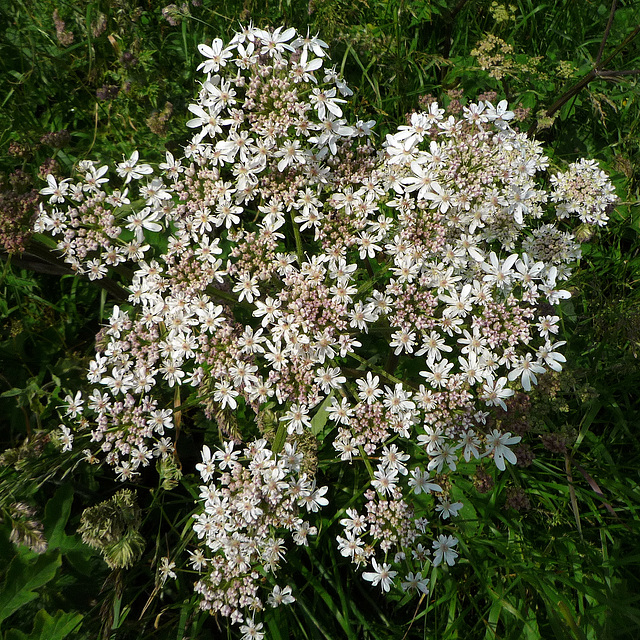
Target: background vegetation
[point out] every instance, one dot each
(551, 551)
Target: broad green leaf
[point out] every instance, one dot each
(47, 627)
(56, 514)
(22, 580)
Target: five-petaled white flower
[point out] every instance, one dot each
(280, 596)
(381, 574)
(57, 190)
(444, 551)
(217, 56)
(498, 444)
(131, 170)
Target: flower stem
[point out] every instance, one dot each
(296, 233)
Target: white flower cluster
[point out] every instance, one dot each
(245, 509)
(583, 190)
(284, 250)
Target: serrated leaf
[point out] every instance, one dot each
(23, 578)
(46, 627)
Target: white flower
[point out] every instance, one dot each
(351, 546)
(367, 245)
(432, 439)
(472, 370)
(547, 325)
(398, 400)
(274, 43)
(197, 559)
(368, 390)
(225, 394)
(432, 345)
(155, 193)
(494, 392)
(207, 467)
(95, 269)
(499, 273)
(56, 190)
(355, 522)
(340, 412)
(381, 574)
(74, 405)
(470, 442)
(297, 418)
(312, 43)
(129, 171)
(166, 570)
(315, 498)
(440, 196)
(417, 582)
(329, 378)
(217, 55)
(499, 115)
(247, 287)
(360, 316)
(552, 358)
(438, 375)
(526, 369)
(66, 438)
(402, 340)
(325, 101)
(171, 371)
(474, 114)
(422, 180)
(446, 508)
(394, 459)
(385, 480)
(301, 532)
(269, 310)
(498, 444)
(171, 166)
(444, 454)
(227, 456)
(443, 550)
(251, 631)
(280, 596)
(93, 179)
(144, 219)
(419, 482)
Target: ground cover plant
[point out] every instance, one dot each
(346, 383)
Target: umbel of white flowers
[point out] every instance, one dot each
(283, 252)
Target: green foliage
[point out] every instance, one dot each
(117, 76)
(23, 577)
(46, 627)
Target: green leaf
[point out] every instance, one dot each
(11, 393)
(47, 627)
(280, 438)
(320, 419)
(23, 578)
(56, 514)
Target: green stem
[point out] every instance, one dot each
(365, 459)
(296, 233)
(377, 369)
(223, 295)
